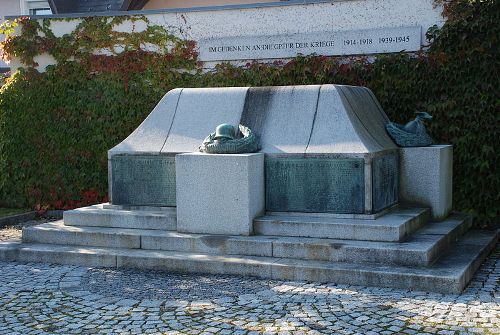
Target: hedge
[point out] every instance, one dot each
(56, 127)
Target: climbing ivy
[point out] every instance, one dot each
(91, 35)
(56, 126)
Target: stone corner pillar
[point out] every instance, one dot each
(426, 175)
(219, 193)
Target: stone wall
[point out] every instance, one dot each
(261, 21)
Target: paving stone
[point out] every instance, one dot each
(34, 299)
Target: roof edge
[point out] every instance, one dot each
(176, 10)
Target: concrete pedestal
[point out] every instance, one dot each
(219, 194)
(426, 175)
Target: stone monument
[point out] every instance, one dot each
(326, 147)
(323, 200)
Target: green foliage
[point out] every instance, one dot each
(90, 35)
(56, 127)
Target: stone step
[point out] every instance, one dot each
(420, 250)
(395, 226)
(139, 208)
(98, 216)
(450, 274)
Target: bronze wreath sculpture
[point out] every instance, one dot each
(225, 141)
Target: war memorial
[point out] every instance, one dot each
(310, 183)
(324, 195)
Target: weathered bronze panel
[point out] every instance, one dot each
(315, 185)
(143, 180)
(385, 181)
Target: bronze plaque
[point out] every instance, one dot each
(143, 180)
(315, 185)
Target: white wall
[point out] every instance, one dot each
(306, 18)
(15, 8)
(8, 7)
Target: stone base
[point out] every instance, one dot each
(440, 257)
(396, 250)
(426, 175)
(219, 194)
(103, 216)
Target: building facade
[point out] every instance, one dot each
(240, 32)
(88, 6)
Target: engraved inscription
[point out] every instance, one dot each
(143, 180)
(315, 185)
(327, 43)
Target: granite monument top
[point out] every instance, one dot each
(315, 119)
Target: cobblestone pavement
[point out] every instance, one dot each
(61, 299)
(13, 233)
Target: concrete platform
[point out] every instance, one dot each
(392, 227)
(419, 250)
(99, 216)
(450, 274)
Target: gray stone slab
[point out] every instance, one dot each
(58, 233)
(392, 227)
(169, 209)
(426, 177)
(208, 244)
(315, 185)
(421, 249)
(442, 227)
(152, 133)
(9, 250)
(448, 232)
(219, 194)
(352, 251)
(343, 119)
(96, 216)
(199, 112)
(328, 43)
(450, 274)
(143, 180)
(367, 115)
(60, 254)
(281, 116)
(197, 263)
(333, 130)
(340, 127)
(338, 215)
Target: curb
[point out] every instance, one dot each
(17, 218)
